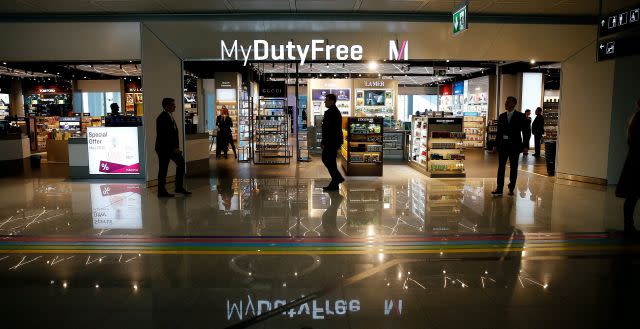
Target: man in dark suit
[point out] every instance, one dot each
(537, 128)
(168, 149)
(331, 141)
(511, 125)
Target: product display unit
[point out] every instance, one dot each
(492, 132)
(362, 151)
(474, 130)
(418, 143)
(550, 112)
(303, 132)
(445, 147)
(190, 112)
(134, 103)
(394, 144)
(272, 133)
(245, 130)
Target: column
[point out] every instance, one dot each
(162, 76)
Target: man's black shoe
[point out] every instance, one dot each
(331, 187)
(341, 180)
(183, 191)
(165, 195)
(510, 191)
(496, 193)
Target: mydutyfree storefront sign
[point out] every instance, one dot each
(262, 50)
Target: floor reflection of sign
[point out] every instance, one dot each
(113, 150)
(634, 15)
(623, 19)
(611, 47)
(116, 206)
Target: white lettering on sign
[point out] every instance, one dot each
(262, 50)
(317, 309)
(395, 53)
(390, 305)
(47, 90)
(374, 83)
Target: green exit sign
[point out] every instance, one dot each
(460, 20)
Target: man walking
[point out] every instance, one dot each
(537, 128)
(168, 149)
(331, 141)
(511, 125)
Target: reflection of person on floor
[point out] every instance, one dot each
(526, 133)
(331, 141)
(509, 143)
(537, 128)
(329, 216)
(225, 190)
(629, 182)
(225, 137)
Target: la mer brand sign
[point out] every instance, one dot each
(261, 50)
(374, 83)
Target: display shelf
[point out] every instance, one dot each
(394, 144)
(445, 147)
(44, 126)
(492, 132)
(245, 130)
(474, 128)
(418, 143)
(362, 151)
(551, 115)
(272, 140)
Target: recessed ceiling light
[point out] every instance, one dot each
(447, 61)
(373, 65)
(532, 61)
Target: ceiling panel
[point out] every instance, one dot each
(190, 6)
(325, 5)
(138, 6)
(390, 5)
(254, 5)
(517, 7)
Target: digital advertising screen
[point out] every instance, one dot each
(374, 97)
(113, 150)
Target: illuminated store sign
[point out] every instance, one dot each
(261, 50)
(113, 150)
(376, 83)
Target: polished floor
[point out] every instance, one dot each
(265, 247)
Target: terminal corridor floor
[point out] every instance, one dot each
(403, 251)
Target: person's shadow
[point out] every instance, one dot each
(329, 216)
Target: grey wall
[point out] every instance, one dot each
(585, 114)
(625, 93)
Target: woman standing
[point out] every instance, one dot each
(629, 182)
(526, 132)
(224, 124)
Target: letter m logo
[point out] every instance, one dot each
(398, 54)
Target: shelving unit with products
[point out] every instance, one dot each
(474, 130)
(492, 133)
(191, 112)
(376, 103)
(317, 132)
(273, 106)
(133, 103)
(394, 144)
(272, 140)
(550, 113)
(245, 130)
(89, 121)
(418, 143)
(44, 126)
(362, 151)
(70, 127)
(445, 147)
(302, 131)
